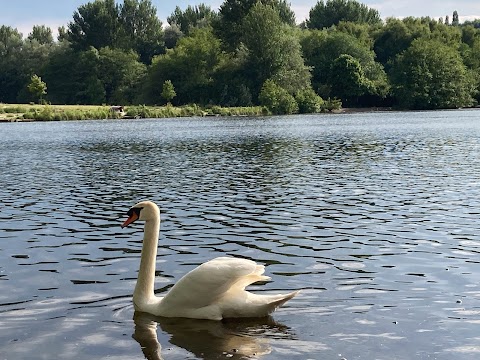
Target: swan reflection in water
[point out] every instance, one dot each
(207, 339)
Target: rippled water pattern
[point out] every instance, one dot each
(375, 216)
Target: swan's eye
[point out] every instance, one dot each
(135, 211)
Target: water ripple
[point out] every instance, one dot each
(374, 216)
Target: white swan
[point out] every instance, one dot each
(214, 290)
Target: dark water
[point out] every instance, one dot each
(375, 216)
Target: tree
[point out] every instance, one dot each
(361, 31)
(121, 74)
(19, 60)
(469, 34)
(348, 80)
(141, 28)
(273, 51)
(191, 66)
(431, 75)
(11, 44)
(322, 48)
(95, 24)
(396, 36)
(42, 34)
(37, 87)
(198, 16)
(133, 25)
(229, 25)
(168, 91)
(455, 21)
(172, 34)
(324, 15)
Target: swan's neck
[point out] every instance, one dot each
(146, 274)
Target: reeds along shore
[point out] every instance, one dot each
(33, 112)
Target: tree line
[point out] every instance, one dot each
(249, 52)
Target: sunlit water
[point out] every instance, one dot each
(375, 216)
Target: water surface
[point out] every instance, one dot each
(375, 216)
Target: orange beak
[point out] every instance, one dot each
(132, 218)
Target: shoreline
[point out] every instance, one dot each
(102, 112)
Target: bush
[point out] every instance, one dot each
(332, 104)
(308, 101)
(277, 99)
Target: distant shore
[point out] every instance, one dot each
(35, 112)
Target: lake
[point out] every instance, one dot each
(375, 216)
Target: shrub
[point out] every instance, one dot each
(308, 101)
(277, 99)
(332, 104)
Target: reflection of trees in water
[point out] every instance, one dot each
(206, 339)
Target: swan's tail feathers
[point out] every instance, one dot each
(246, 304)
(266, 304)
(281, 299)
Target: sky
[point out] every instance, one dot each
(23, 14)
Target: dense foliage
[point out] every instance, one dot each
(248, 53)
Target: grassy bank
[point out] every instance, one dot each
(26, 112)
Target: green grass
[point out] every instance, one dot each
(84, 112)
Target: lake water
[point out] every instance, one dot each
(375, 216)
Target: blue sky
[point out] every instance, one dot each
(23, 14)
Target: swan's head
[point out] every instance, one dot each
(144, 210)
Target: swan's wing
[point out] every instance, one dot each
(208, 282)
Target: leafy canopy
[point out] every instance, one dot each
(324, 15)
(431, 75)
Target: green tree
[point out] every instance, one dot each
(37, 87)
(273, 51)
(121, 74)
(141, 28)
(361, 31)
(431, 75)
(168, 91)
(172, 34)
(197, 16)
(19, 60)
(348, 80)
(60, 74)
(396, 36)
(322, 48)
(324, 15)
(95, 24)
(91, 89)
(42, 34)
(132, 25)
(231, 86)
(469, 34)
(191, 66)
(11, 43)
(229, 25)
(62, 33)
(31, 59)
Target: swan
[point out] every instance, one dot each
(215, 290)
